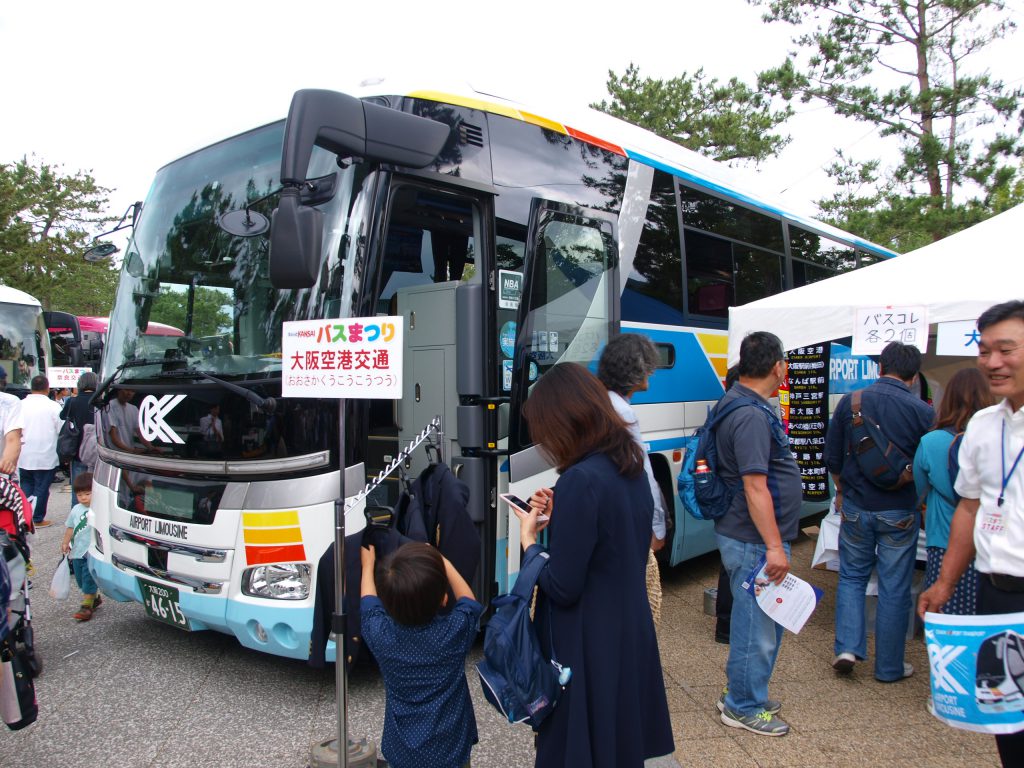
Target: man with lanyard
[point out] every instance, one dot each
(989, 520)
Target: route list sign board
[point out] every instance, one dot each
(356, 357)
(808, 372)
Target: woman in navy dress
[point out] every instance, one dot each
(592, 603)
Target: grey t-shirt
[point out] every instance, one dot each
(126, 418)
(746, 446)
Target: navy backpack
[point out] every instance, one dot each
(706, 496)
(516, 678)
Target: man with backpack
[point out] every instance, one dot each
(869, 449)
(753, 456)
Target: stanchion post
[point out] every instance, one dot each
(339, 624)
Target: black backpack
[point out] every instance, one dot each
(880, 459)
(516, 678)
(69, 440)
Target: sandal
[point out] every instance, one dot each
(84, 613)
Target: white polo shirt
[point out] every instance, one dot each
(988, 451)
(40, 424)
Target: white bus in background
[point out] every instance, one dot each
(24, 342)
(509, 239)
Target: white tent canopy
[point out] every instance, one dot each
(956, 278)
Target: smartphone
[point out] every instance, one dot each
(522, 506)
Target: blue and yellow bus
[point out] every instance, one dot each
(509, 239)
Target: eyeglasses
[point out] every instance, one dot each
(985, 354)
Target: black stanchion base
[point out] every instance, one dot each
(361, 754)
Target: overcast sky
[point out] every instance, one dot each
(121, 88)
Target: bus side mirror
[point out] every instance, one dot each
(349, 128)
(296, 232)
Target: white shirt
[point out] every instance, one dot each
(625, 411)
(10, 413)
(211, 427)
(998, 531)
(40, 423)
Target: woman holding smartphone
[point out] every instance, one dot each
(592, 602)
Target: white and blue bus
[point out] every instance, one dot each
(509, 239)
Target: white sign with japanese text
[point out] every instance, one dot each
(357, 357)
(876, 327)
(65, 377)
(958, 339)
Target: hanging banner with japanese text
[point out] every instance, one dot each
(808, 373)
(356, 357)
(977, 670)
(65, 377)
(957, 339)
(876, 327)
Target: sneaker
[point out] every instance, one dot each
(43, 524)
(771, 706)
(908, 670)
(843, 663)
(84, 613)
(763, 723)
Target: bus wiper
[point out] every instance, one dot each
(266, 404)
(98, 400)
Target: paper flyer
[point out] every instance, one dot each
(977, 670)
(789, 604)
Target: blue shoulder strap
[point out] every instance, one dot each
(778, 432)
(720, 413)
(529, 572)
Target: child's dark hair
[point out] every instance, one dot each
(83, 482)
(411, 583)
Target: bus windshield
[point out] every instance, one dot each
(22, 332)
(184, 271)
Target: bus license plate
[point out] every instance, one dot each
(161, 603)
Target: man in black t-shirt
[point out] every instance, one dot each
(754, 456)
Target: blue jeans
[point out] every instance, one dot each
(886, 540)
(83, 575)
(754, 638)
(36, 482)
(77, 468)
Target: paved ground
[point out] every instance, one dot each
(122, 690)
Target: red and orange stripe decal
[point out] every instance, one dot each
(507, 111)
(272, 537)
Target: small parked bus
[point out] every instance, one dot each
(509, 239)
(24, 344)
(78, 340)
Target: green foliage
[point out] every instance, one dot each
(45, 222)
(904, 66)
(725, 121)
(208, 314)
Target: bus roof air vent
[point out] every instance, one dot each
(471, 134)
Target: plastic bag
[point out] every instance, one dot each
(60, 587)
(826, 551)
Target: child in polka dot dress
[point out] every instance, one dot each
(428, 715)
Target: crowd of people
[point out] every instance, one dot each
(602, 524)
(605, 517)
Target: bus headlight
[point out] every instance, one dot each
(281, 581)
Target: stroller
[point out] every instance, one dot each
(20, 664)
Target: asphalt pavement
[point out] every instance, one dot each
(124, 690)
